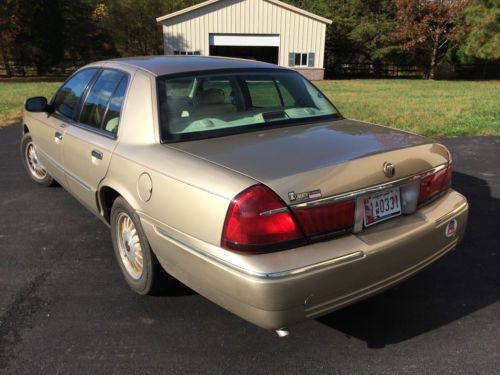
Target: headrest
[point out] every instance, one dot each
(212, 96)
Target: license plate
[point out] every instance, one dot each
(382, 206)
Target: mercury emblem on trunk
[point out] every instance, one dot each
(389, 169)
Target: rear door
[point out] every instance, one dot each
(90, 140)
(49, 131)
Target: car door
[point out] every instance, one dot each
(49, 130)
(90, 140)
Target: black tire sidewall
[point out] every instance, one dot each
(144, 284)
(47, 180)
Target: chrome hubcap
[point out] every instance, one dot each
(36, 168)
(129, 245)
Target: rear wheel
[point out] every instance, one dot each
(32, 164)
(138, 263)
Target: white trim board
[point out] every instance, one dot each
(252, 40)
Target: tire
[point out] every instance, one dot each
(130, 246)
(31, 163)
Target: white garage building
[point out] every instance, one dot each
(265, 30)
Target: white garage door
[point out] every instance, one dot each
(253, 40)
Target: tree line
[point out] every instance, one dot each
(45, 34)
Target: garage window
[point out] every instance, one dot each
(187, 53)
(301, 59)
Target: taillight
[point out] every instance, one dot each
(326, 219)
(447, 178)
(258, 220)
(434, 184)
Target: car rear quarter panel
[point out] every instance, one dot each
(188, 194)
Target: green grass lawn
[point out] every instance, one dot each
(13, 94)
(425, 107)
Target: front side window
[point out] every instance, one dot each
(96, 104)
(205, 105)
(68, 97)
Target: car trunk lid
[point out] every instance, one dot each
(313, 161)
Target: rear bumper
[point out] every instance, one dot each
(279, 289)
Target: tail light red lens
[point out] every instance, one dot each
(326, 219)
(251, 224)
(434, 184)
(447, 178)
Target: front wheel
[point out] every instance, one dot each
(32, 164)
(138, 263)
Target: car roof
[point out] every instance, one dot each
(163, 65)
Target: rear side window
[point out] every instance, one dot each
(95, 107)
(287, 97)
(269, 94)
(68, 97)
(264, 93)
(222, 86)
(181, 87)
(112, 117)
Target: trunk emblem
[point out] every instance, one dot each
(307, 195)
(389, 169)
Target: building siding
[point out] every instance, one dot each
(299, 33)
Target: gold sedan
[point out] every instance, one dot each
(244, 182)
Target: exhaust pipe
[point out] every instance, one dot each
(283, 332)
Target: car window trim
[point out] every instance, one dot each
(98, 131)
(174, 138)
(87, 127)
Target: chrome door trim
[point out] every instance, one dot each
(89, 128)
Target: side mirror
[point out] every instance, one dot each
(37, 104)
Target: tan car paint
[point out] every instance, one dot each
(247, 286)
(85, 171)
(43, 129)
(335, 157)
(193, 184)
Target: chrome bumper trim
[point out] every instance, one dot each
(357, 193)
(272, 275)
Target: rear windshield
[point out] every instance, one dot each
(215, 104)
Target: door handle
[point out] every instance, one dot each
(96, 154)
(58, 137)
